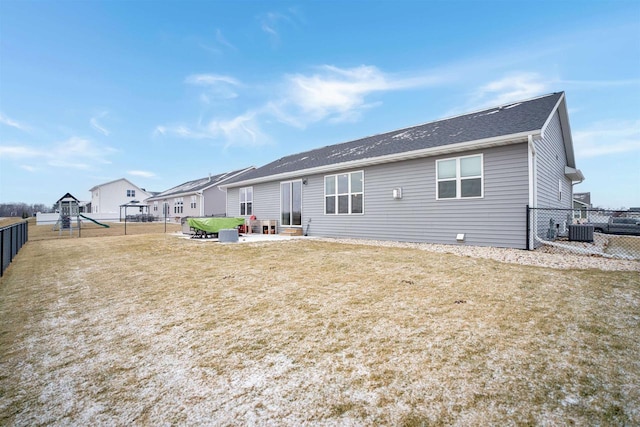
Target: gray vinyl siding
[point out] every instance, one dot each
(266, 201)
(215, 201)
(497, 219)
(551, 161)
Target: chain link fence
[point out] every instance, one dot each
(614, 234)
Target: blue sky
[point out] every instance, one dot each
(163, 92)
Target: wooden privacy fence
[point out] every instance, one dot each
(12, 238)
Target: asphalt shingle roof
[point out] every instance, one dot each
(197, 184)
(514, 118)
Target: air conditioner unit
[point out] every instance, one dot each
(581, 233)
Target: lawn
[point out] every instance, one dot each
(153, 329)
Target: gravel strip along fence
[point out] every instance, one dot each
(545, 256)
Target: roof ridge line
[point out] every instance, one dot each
(423, 124)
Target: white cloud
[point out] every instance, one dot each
(97, 126)
(75, 152)
(331, 93)
(608, 137)
(29, 168)
(216, 86)
(337, 94)
(242, 130)
(271, 23)
(513, 87)
(144, 174)
(211, 80)
(218, 45)
(13, 123)
(178, 130)
(223, 41)
(20, 151)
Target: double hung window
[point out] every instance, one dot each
(460, 177)
(344, 193)
(246, 201)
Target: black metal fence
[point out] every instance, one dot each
(607, 233)
(12, 238)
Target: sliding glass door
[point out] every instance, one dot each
(291, 203)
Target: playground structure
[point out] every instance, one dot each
(94, 221)
(68, 208)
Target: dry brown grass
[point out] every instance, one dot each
(89, 229)
(9, 221)
(151, 329)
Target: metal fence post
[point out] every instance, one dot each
(528, 228)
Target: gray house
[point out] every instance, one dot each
(461, 180)
(200, 197)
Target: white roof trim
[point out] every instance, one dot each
(561, 108)
(573, 174)
(396, 157)
(553, 112)
(117, 180)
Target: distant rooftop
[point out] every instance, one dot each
(198, 184)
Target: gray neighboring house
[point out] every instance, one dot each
(461, 180)
(200, 197)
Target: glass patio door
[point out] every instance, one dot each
(291, 203)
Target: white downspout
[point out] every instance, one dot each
(533, 193)
(533, 189)
(201, 194)
(224, 190)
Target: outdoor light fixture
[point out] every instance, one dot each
(397, 193)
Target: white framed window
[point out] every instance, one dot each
(155, 206)
(560, 189)
(460, 177)
(131, 193)
(344, 193)
(178, 205)
(246, 201)
(193, 202)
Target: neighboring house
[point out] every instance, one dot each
(200, 197)
(465, 179)
(108, 197)
(581, 205)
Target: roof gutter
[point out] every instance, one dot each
(396, 157)
(575, 175)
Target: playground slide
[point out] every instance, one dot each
(93, 220)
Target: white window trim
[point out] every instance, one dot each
(178, 205)
(301, 202)
(335, 176)
(240, 202)
(559, 189)
(459, 179)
